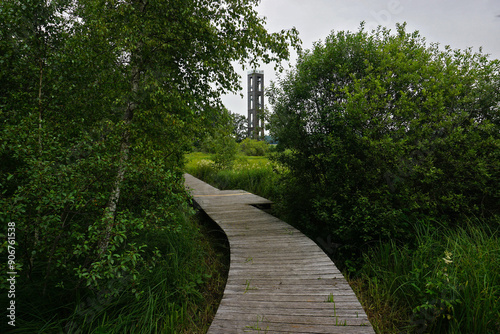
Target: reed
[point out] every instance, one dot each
(448, 283)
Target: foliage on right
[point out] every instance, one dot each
(379, 131)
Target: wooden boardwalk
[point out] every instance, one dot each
(279, 280)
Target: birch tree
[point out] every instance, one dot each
(96, 119)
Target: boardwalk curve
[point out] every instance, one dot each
(279, 280)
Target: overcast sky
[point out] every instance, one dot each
(458, 23)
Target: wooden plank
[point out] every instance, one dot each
(279, 280)
(252, 305)
(331, 320)
(253, 261)
(321, 298)
(255, 286)
(298, 312)
(260, 325)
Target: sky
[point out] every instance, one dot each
(458, 23)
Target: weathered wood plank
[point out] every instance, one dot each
(279, 280)
(254, 295)
(260, 325)
(253, 306)
(331, 320)
(298, 312)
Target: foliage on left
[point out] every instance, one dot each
(98, 102)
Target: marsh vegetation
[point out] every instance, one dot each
(388, 155)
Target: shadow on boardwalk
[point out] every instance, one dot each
(279, 280)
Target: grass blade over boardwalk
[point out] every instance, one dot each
(279, 280)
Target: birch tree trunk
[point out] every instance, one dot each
(110, 211)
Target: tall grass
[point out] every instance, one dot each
(181, 292)
(253, 174)
(448, 283)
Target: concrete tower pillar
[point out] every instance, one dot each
(256, 104)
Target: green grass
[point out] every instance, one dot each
(448, 283)
(251, 173)
(193, 159)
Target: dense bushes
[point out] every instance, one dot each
(98, 103)
(378, 131)
(224, 149)
(253, 147)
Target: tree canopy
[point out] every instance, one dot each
(99, 100)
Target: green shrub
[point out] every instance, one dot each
(171, 288)
(220, 142)
(222, 148)
(377, 131)
(225, 153)
(254, 147)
